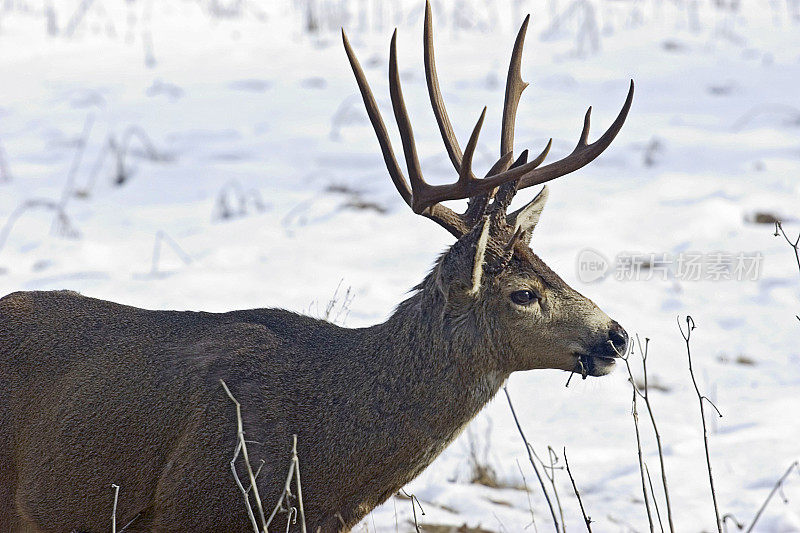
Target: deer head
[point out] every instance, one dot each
(490, 280)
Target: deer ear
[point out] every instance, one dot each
(461, 269)
(480, 257)
(527, 217)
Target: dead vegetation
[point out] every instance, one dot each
(289, 503)
(464, 528)
(355, 199)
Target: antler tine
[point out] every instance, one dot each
(435, 94)
(583, 153)
(425, 199)
(465, 172)
(477, 204)
(430, 195)
(514, 87)
(396, 174)
(404, 124)
(444, 216)
(505, 194)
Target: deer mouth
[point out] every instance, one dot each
(593, 365)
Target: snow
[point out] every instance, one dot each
(253, 102)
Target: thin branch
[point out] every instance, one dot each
(61, 218)
(132, 520)
(286, 490)
(587, 520)
(294, 472)
(528, 493)
(414, 503)
(114, 510)
(795, 245)
(296, 461)
(242, 447)
(775, 488)
(552, 476)
(635, 414)
(728, 517)
(163, 237)
(646, 398)
(655, 500)
(77, 160)
(245, 492)
(690, 326)
(530, 458)
(123, 149)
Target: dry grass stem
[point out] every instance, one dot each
(242, 448)
(794, 244)
(644, 394)
(635, 414)
(114, 509)
(586, 519)
(775, 488)
(655, 500)
(528, 494)
(690, 326)
(529, 449)
(414, 503)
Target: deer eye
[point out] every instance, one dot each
(523, 297)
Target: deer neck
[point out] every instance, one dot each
(443, 370)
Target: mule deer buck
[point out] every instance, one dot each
(95, 393)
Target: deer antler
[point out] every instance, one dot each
(424, 198)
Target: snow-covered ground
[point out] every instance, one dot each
(252, 102)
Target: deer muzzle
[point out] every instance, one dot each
(601, 357)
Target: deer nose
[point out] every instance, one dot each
(618, 337)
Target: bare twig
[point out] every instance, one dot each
(64, 222)
(114, 509)
(296, 461)
(132, 520)
(242, 447)
(690, 326)
(77, 17)
(795, 245)
(77, 160)
(775, 488)
(655, 500)
(234, 201)
(635, 414)
(587, 520)
(529, 449)
(646, 397)
(245, 492)
(332, 314)
(61, 224)
(294, 473)
(550, 472)
(414, 503)
(162, 237)
(728, 517)
(124, 148)
(528, 493)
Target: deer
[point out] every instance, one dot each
(96, 393)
